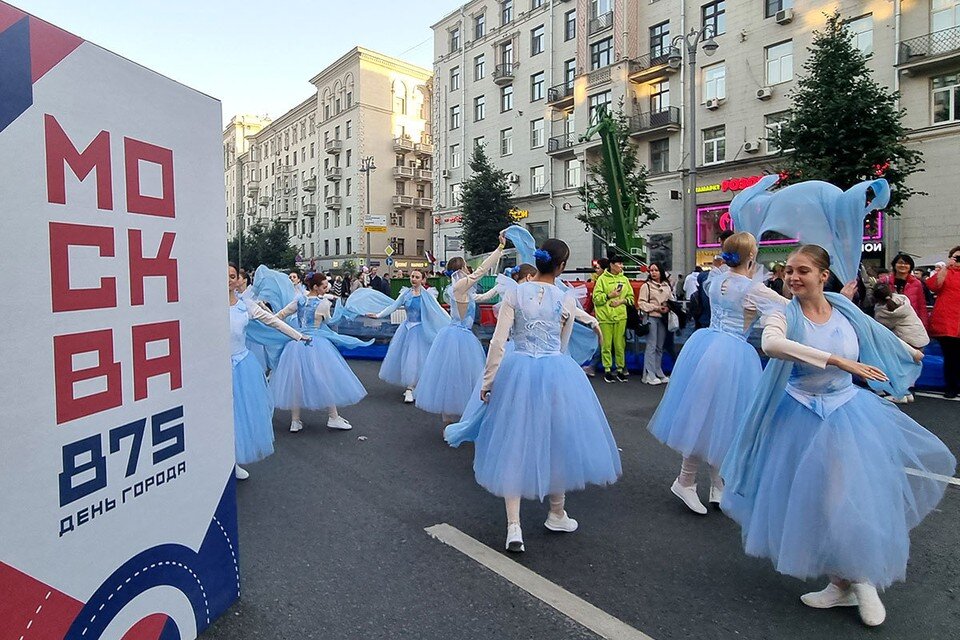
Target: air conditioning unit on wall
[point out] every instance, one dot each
(784, 16)
(514, 179)
(713, 104)
(751, 146)
(764, 93)
(445, 173)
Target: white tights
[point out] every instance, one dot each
(688, 473)
(557, 502)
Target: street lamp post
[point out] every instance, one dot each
(367, 167)
(691, 40)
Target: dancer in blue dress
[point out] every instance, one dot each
(316, 376)
(544, 432)
(252, 405)
(717, 374)
(826, 478)
(455, 361)
(411, 343)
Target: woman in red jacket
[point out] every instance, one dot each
(945, 322)
(903, 280)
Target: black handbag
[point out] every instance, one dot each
(635, 322)
(677, 308)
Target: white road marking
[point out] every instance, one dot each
(574, 607)
(933, 476)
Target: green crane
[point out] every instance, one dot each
(623, 204)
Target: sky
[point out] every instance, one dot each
(256, 57)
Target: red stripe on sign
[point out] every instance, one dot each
(33, 610)
(8, 16)
(149, 628)
(48, 46)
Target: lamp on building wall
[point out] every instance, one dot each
(367, 166)
(675, 59)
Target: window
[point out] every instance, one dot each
(570, 25)
(773, 6)
(349, 222)
(326, 219)
(454, 39)
(659, 156)
(536, 87)
(714, 15)
(715, 82)
(569, 72)
(597, 101)
(349, 245)
(479, 108)
(506, 12)
(349, 99)
(773, 124)
(336, 218)
(326, 247)
(779, 59)
(454, 78)
(455, 156)
(455, 117)
(600, 7)
(349, 129)
(312, 149)
(572, 173)
(479, 67)
(337, 106)
(421, 248)
(400, 222)
(348, 183)
(479, 26)
(536, 133)
(506, 98)
(944, 14)
(400, 189)
(536, 4)
(946, 98)
(479, 141)
(714, 145)
(421, 224)
(506, 52)
(659, 96)
(349, 156)
(536, 40)
(659, 40)
(506, 142)
(540, 232)
(294, 157)
(601, 53)
(398, 245)
(454, 195)
(336, 247)
(861, 32)
(536, 179)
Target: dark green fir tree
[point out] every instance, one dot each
(485, 196)
(845, 127)
(263, 244)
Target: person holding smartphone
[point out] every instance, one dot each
(611, 295)
(945, 319)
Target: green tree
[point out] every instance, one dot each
(486, 204)
(262, 244)
(845, 127)
(597, 213)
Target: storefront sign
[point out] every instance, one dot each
(447, 219)
(731, 184)
(519, 214)
(713, 220)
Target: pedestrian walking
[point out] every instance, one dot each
(945, 320)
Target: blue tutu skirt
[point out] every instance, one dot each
(252, 411)
(838, 496)
(712, 385)
(544, 431)
(314, 376)
(406, 354)
(453, 366)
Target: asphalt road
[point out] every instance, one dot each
(332, 543)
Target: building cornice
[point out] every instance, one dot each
(361, 54)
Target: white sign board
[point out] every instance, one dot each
(116, 464)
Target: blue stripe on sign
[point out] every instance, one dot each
(16, 89)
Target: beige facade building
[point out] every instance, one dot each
(304, 168)
(524, 77)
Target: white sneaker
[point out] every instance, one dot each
(871, 609)
(562, 523)
(716, 495)
(689, 497)
(408, 396)
(831, 596)
(651, 380)
(295, 426)
(899, 400)
(664, 378)
(514, 538)
(240, 472)
(339, 423)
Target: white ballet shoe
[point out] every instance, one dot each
(295, 426)
(408, 396)
(339, 423)
(240, 472)
(689, 497)
(562, 523)
(871, 609)
(829, 597)
(514, 538)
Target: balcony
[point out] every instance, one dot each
(402, 202)
(403, 173)
(252, 188)
(287, 216)
(290, 191)
(334, 202)
(665, 121)
(310, 185)
(424, 175)
(333, 146)
(264, 201)
(649, 67)
(333, 173)
(503, 74)
(424, 148)
(285, 168)
(929, 52)
(562, 145)
(403, 144)
(561, 95)
(598, 76)
(601, 22)
(310, 209)
(423, 203)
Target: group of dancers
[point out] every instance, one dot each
(825, 478)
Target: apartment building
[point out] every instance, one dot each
(307, 168)
(525, 77)
(236, 169)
